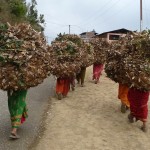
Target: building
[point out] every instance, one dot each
(87, 36)
(113, 35)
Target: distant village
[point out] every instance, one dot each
(108, 36)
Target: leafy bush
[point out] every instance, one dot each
(18, 8)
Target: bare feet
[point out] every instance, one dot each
(73, 88)
(144, 127)
(131, 118)
(96, 81)
(123, 108)
(64, 96)
(59, 95)
(82, 85)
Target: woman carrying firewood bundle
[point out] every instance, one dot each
(97, 71)
(62, 87)
(72, 83)
(100, 46)
(123, 96)
(128, 61)
(18, 110)
(70, 55)
(138, 106)
(24, 63)
(81, 76)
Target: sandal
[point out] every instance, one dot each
(14, 136)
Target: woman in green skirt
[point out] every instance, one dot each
(17, 109)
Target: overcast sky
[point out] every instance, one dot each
(86, 15)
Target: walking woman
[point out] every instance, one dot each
(18, 110)
(81, 76)
(138, 106)
(62, 87)
(72, 83)
(123, 96)
(97, 70)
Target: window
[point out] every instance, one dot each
(114, 37)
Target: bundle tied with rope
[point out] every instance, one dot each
(100, 46)
(128, 61)
(24, 59)
(68, 54)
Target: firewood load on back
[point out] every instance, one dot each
(24, 58)
(128, 61)
(68, 54)
(100, 46)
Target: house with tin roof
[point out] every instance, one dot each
(113, 35)
(87, 36)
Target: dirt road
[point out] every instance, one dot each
(90, 119)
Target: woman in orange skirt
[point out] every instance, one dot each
(62, 87)
(123, 96)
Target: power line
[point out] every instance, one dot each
(96, 11)
(56, 23)
(78, 27)
(65, 25)
(109, 19)
(104, 12)
(114, 14)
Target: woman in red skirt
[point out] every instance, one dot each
(138, 106)
(97, 70)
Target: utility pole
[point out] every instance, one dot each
(69, 29)
(141, 16)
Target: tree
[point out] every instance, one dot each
(18, 8)
(32, 16)
(17, 11)
(13, 11)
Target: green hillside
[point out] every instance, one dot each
(17, 11)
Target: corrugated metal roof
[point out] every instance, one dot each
(123, 30)
(89, 32)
